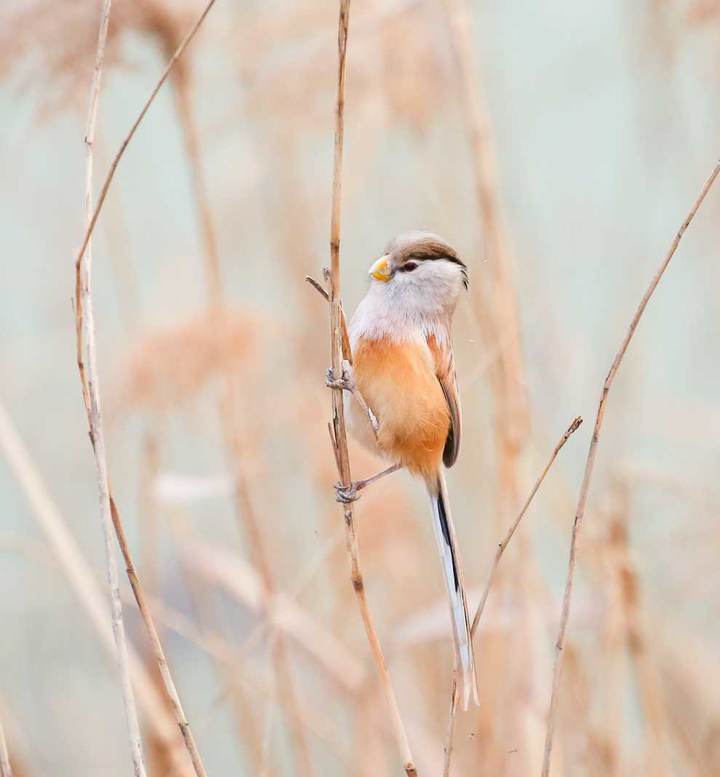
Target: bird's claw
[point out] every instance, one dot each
(332, 382)
(346, 494)
(345, 381)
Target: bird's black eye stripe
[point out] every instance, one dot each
(433, 255)
(408, 266)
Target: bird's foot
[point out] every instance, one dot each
(346, 381)
(347, 494)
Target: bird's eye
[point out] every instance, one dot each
(409, 266)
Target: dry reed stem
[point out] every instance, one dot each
(81, 578)
(590, 462)
(89, 382)
(339, 434)
(574, 426)
(157, 648)
(5, 768)
(133, 129)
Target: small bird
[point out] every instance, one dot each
(404, 372)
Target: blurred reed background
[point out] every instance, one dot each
(559, 148)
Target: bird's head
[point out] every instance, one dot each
(421, 260)
(420, 267)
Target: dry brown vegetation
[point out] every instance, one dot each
(239, 628)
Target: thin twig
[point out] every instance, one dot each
(574, 426)
(316, 285)
(87, 364)
(5, 768)
(339, 352)
(133, 129)
(157, 647)
(347, 353)
(590, 462)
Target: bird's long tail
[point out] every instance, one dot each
(447, 545)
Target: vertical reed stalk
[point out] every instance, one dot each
(339, 350)
(89, 380)
(87, 366)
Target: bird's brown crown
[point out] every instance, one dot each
(423, 246)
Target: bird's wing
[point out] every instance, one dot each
(445, 371)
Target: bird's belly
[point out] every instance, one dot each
(399, 384)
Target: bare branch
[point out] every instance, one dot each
(590, 463)
(339, 351)
(318, 287)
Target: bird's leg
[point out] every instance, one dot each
(349, 493)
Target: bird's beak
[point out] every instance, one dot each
(381, 269)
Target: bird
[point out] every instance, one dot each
(403, 374)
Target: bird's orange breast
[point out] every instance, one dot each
(399, 383)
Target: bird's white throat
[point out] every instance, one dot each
(409, 308)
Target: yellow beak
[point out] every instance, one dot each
(381, 269)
